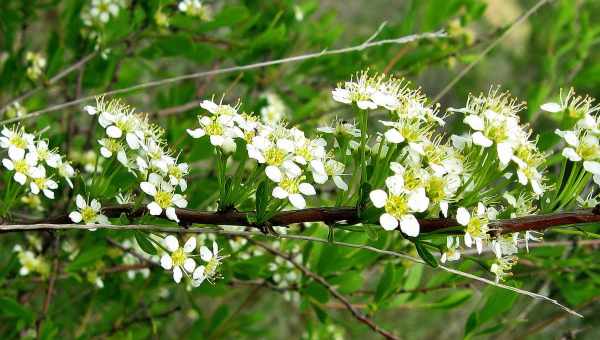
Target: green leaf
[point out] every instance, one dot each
(11, 308)
(144, 243)
(372, 231)
(348, 282)
(426, 255)
(317, 292)
(87, 257)
(386, 283)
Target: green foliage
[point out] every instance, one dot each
(96, 294)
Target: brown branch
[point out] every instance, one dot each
(332, 215)
(355, 312)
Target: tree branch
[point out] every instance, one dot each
(330, 216)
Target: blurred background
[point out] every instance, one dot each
(556, 47)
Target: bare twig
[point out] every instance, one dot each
(165, 81)
(317, 278)
(487, 50)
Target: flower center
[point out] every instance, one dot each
(175, 171)
(274, 156)
(435, 189)
(477, 226)
(214, 129)
(178, 257)
(88, 214)
(397, 205)
(21, 166)
(18, 141)
(210, 270)
(290, 185)
(304, 152)
(588, 151)
(125, 125)
(225, 110)
(163, 199)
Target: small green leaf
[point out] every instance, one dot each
(426, 255)
(371, 231)
(145, 243)
(12, 308)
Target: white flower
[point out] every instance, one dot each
(333, 168)
(164, 197)
(39, 182)
(452, 252)
(399, 209)
(293, 189)
(40, 150)
(209, 271)
(504, 245)
(88, 213)
(21, 166)
(476, 226)
(177, 173)
(179, 260)
(16, 141)
(220, 129)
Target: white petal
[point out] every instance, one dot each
(462, 216)
(217, 140)
(80, 202)
(444, 208)
(378, 197)
(307, 189)
(166, 262)
(177, 274)
(505, 152)
(273, 173)
(189, 265)
(481, 140)
(114, 132)
(170, 212)
(475, 122)
(388, 222)
(394, 136)
(179, 200)
(409, 225)
(190, 245)
(75, 216)
(551, 107)
(592, 166)
(171, 243)
(148, 188)
(205, 254)
(571, 154)
(278, 192)
(209, 106)
(154, 208)
(417, 201)
(196, 133)
(297, 201)
(468, 240)
(20, 178)
(198, 273)
(339, 182)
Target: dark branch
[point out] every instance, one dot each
(331, 215)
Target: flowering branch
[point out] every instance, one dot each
(330, 216)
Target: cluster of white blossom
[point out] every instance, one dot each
(30, 259)
(284, 274)
(494, 119)
(582, 141)
(140, 147)
(36, 63)
(33, 162)
(432, 175)
(180, 260)
(286, 154)
(275, 111)
(431, 171)
(195, 8)
(96, 15)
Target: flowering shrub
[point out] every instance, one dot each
(370, 208)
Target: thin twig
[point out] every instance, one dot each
(317, 278)
(487, 50)
(165, 81)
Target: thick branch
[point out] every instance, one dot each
(330, 215)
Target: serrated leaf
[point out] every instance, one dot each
(426, 255)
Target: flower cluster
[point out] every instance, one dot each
(140, 147)
(582, 141)
(288, 157)
(96, 15)
(180, 261)
(88, 213)
(36, 63)
(195, 8)
(33, 162)
(494, 119)
(285, 275)
(275, 111)
(30, 262)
